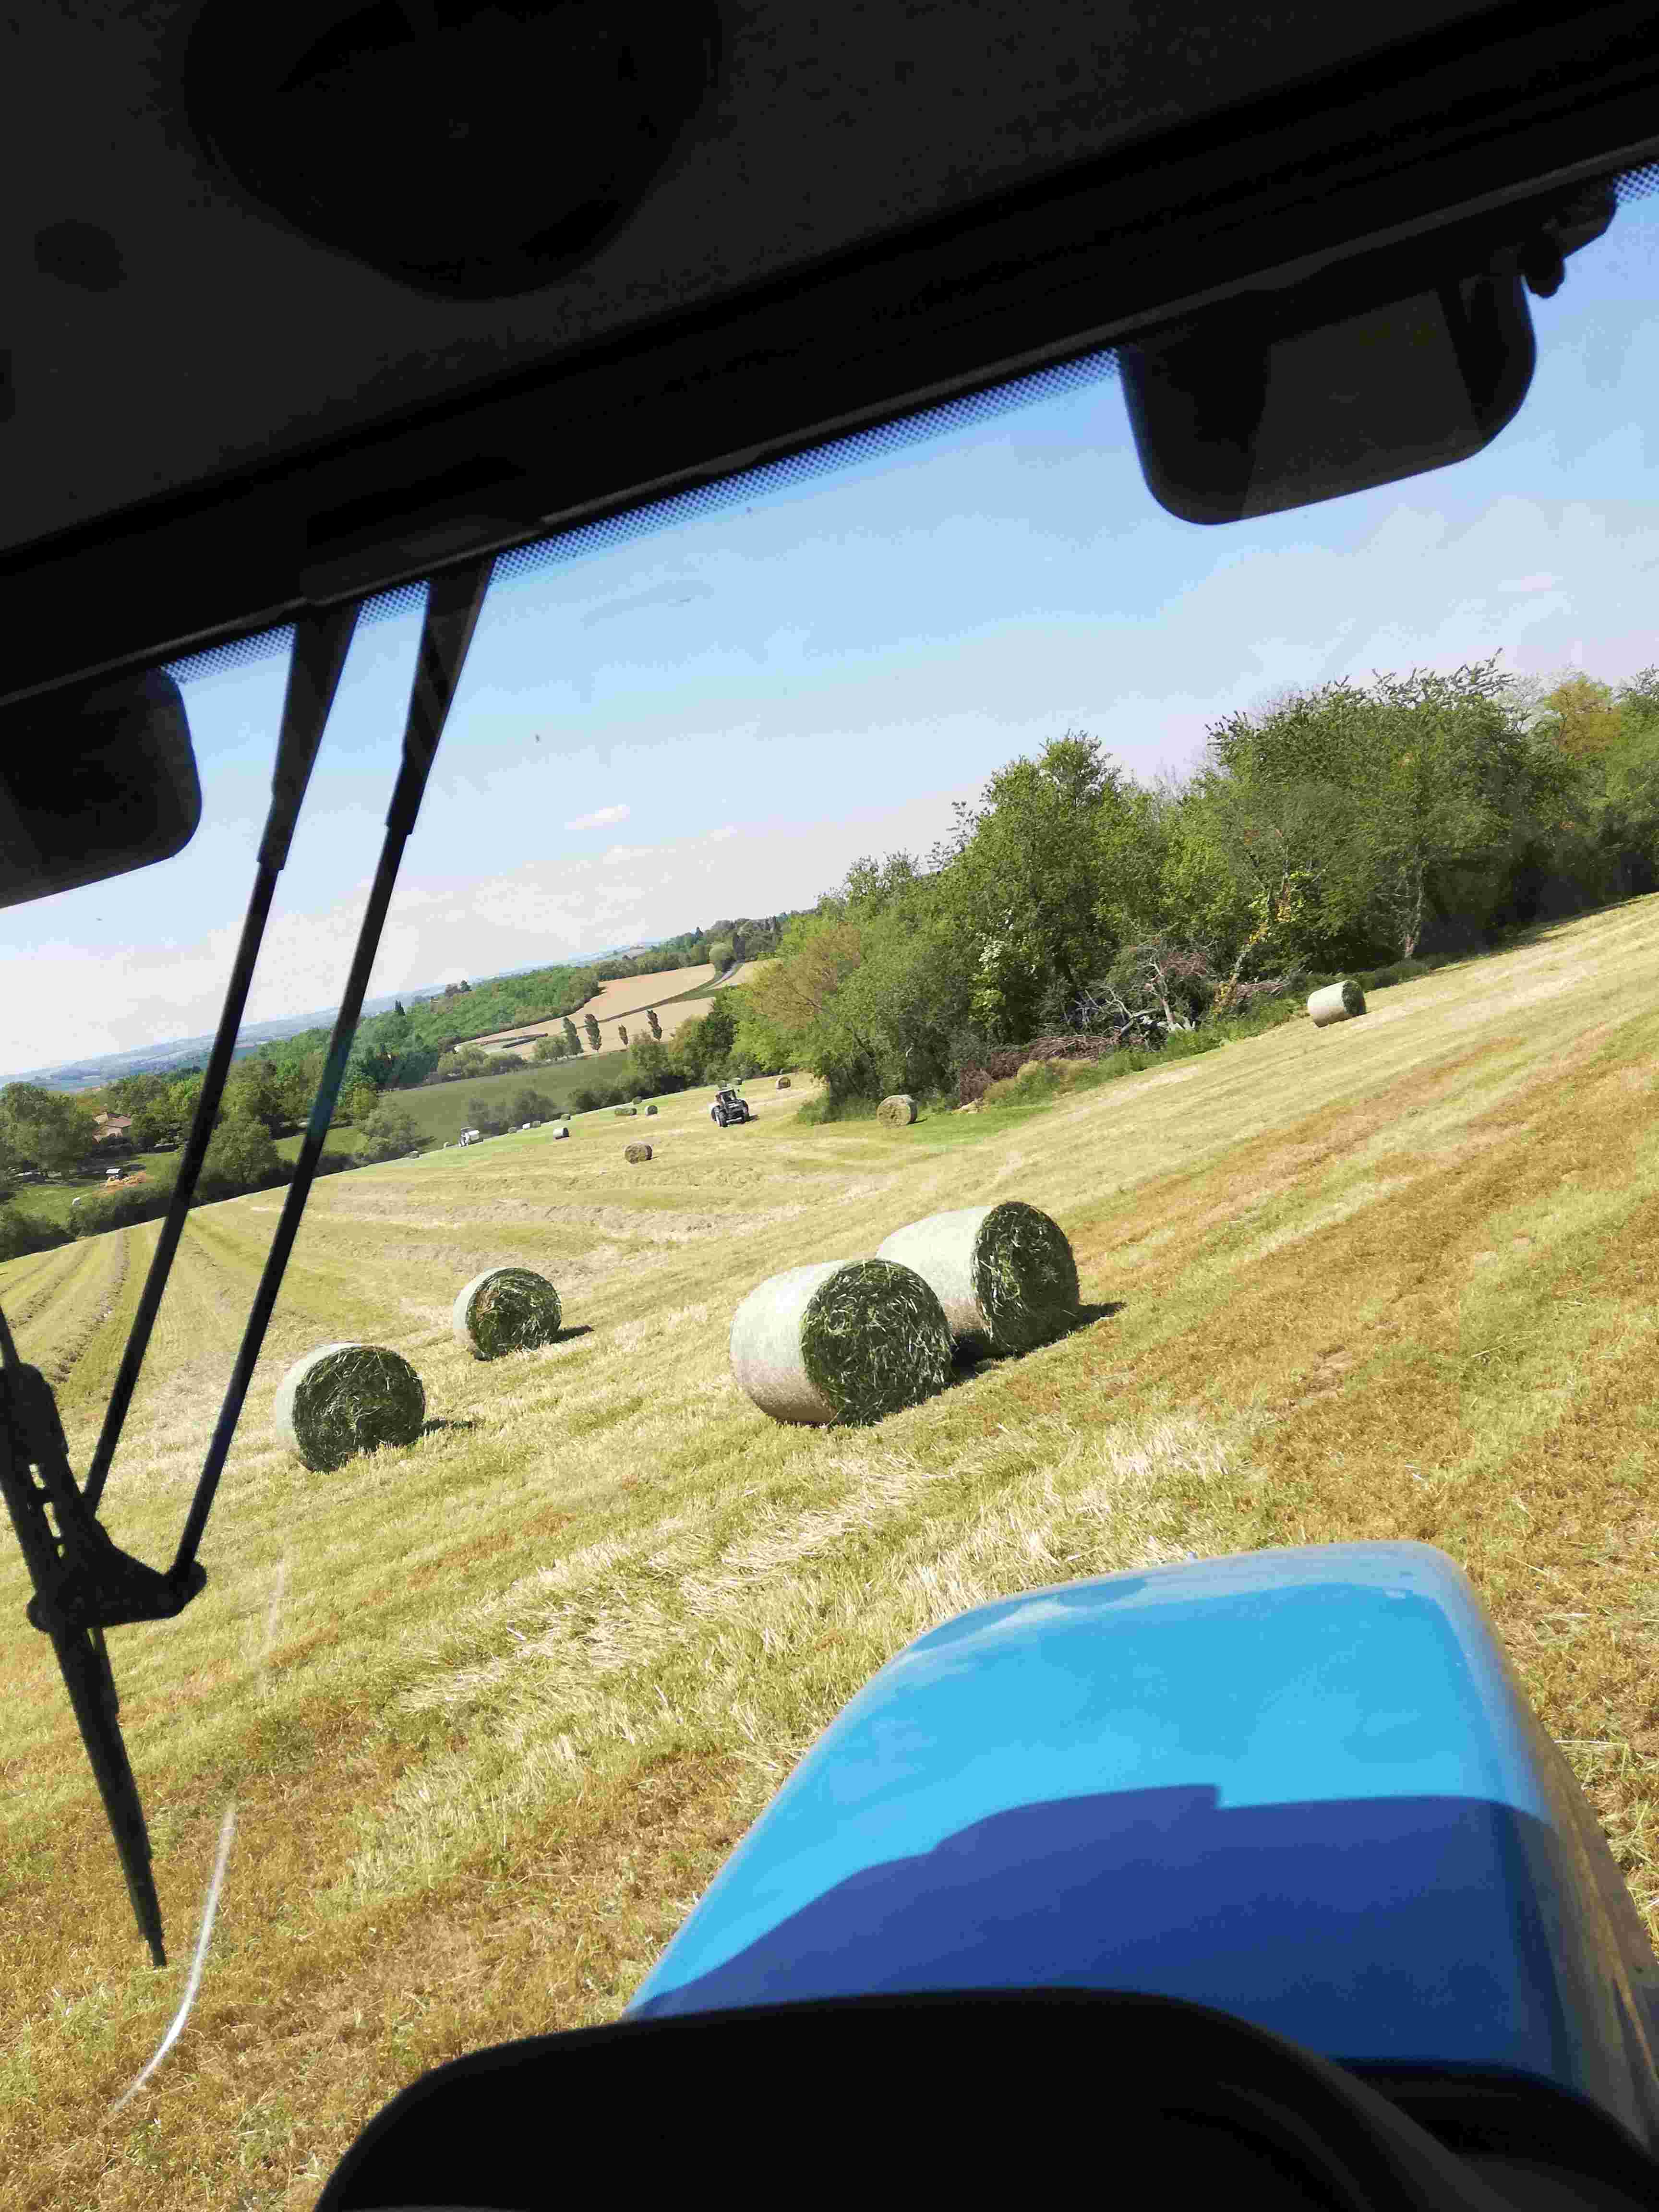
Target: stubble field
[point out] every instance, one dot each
(494, 1708)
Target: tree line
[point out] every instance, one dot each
(269, 1093)
(1338, 828)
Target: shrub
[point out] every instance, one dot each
(239, 1157)
(387, 1133)
(826, 1107)
(484, 1115)
(21, 1232)
(119, 1209)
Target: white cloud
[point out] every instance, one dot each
(600, 819)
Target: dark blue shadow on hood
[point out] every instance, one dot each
(1407, 1929)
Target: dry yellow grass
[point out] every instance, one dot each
(494, 1708)
(744, 974)
(617, 1005)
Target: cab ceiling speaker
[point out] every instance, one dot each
(472, 149)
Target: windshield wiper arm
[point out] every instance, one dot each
(83, 1581)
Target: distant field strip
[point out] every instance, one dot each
(533, 1675)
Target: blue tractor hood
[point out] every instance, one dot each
(1302, 1786)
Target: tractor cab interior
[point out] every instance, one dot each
(359, 298)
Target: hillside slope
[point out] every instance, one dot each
(495, 1708)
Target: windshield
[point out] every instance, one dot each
(931, 825)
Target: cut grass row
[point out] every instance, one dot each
(530, 1679)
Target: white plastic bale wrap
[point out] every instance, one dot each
(1337, 1002)
(791, 1352)
(1004, 1273)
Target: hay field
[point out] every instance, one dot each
(612, 1014)
(620, 1000)
(744, 973)
(494, 1708)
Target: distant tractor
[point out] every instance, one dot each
(730, 1106)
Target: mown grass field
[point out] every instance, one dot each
(439, 1110)
(494, 1708)
(51, 1201)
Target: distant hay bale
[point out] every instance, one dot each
(1005, 1275)
(650, 1109)
(638, 1152)
(344, 1399)
(840, 1340)
(1337, 1002)
(621, 1111)
(506, 1310)
(896, 1112)
(784, 1083)
(561, 1133)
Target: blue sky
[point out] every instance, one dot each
(718, 718)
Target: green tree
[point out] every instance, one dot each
(651, 1016)
(486, 1115)
(651, 1070)
(239, 1157)
(387, 1133)
(176, 1108)
(720, 954)
(357, 1104)
(21, 1232)
(1581, 717)
(591, 1024)
(45, 1129)
(530, 1105)
(1023, 881)
(466, 1060)
(547, 1049)
(296, 1080)
(573, 1043)
(255, 1092)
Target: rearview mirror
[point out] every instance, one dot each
(1406, 360)
(95, 780)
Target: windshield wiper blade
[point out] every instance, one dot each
(68, 1563)
(83, 1581)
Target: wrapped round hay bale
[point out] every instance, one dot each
(896, 1112)
(1005, 1275)
(344, 1399)
(841, 1340)
(636, 1153)
(562, 1132)
(506, 1310)
(1337, 1002)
